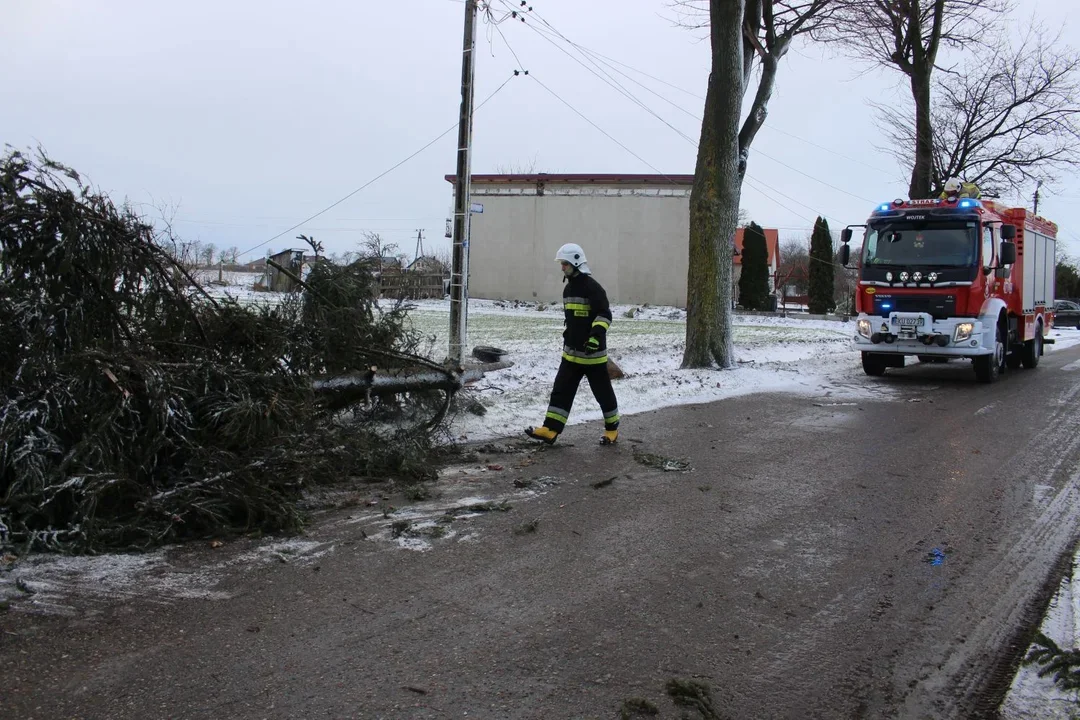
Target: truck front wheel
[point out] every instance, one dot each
(1033, 349)
(873, 364)
(989, 368)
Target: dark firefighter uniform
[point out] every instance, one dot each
(588, 317)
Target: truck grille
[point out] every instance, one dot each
(939, 306)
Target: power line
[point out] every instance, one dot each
(611, 82)
(586, 51)
(489, 19)
(630, 96)
(602, 130)
(794, 200)
(754, 183)
(747, 177)
(822, 147)
(377, 177)
(690, 140)
(645, 74)
(823, 182)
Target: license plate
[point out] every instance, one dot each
(911, 321)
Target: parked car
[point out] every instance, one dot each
(1066, 314)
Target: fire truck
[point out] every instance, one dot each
(953, 277)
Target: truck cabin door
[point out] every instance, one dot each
(987, 253)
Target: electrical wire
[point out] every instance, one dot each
(587, 52)
(699, 119)
(750, 180)
(626, 93)
(602, 130)
(815, 179)
(333, 205)
(611, 82)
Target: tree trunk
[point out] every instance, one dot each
(922, 171)
(714, 199)
(759, 108)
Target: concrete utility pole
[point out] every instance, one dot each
(419, 245)
(459, 273)
(1038, 186)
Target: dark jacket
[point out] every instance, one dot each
(587, 315)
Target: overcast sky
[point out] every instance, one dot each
(242, 118)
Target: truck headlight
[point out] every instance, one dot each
(864, 328)
(963, 332)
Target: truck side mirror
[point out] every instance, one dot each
(1007, 253)
(845, 254)
(1008, 232)
(845, 236)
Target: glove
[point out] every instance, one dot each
(592, 345)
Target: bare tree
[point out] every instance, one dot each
(770, 28)
(373, 246)
(907, 35)
(315, 245)
(1011, 118)
(206, 254)
(441, 259)
(527, 167)
(345, 258)
(757, 33)
(846, 281)
(794, 268)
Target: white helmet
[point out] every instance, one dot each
(952, 186)
(573, 254)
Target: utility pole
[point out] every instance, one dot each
(459, 273)
(1038, 186)
(419, 245)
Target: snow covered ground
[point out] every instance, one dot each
(773, 354)
(1032, 697)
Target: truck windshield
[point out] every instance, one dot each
(904, 243)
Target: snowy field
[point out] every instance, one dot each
(772, 354)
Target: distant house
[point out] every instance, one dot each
(390, 262)
(428, 265)
(253, 266)
(772, 243)
(635, 230)
(291, 260)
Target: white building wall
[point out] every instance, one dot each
(636, 243)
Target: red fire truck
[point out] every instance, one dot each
(957, 277)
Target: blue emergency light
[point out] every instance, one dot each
(883, 207)
(967, 203)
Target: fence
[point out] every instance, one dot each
(412, 286)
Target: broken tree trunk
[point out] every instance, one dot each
(345, 389)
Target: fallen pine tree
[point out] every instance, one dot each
(137, 409)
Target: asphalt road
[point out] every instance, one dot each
(825, 558)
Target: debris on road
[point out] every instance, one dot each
(660, 462)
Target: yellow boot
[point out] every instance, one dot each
(542, 433)
(610, 437)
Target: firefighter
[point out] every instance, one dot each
(957, 188)
(588, 317)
